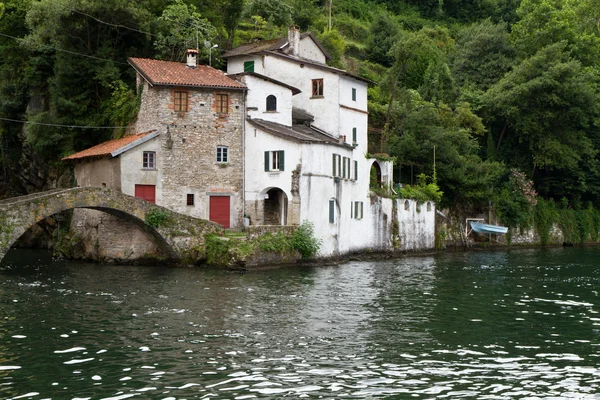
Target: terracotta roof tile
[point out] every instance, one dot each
(159, 72)
(106, 148)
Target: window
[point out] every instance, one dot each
(248, 66)
(353, 94)
(356, 210)
(271, 103)
(337, 165)
(354, 136)
(222, 154)
(190, 199)
(274, 160)
(317, 87)
(428, 206)
(149, 161)
(355, 170)
(331, 211)
(346, 168)
(406, 205)
(222, 103)
(180, 102)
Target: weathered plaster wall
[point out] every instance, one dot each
(256, 100)
(103, 172)
(309, 50)
(416, 225)
(132, 171)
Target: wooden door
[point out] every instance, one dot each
(146, 192)
(220, 209)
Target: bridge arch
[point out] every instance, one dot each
(174, 240)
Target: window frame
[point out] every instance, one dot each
(222, 103)
(317, 88)
(353, 94)
(178, 103)
(149, 160)
(222, 154)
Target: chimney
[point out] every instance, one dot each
(191, 55)
(293, 40)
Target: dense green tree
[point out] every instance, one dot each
(550, 104)
(277, 12)
(182, 28)
(483, 54)
(382, 36)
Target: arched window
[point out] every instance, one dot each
(271, 103)
(406, 205)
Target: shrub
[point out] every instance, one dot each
(304, 240)
(156, 217)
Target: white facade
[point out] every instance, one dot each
(337, 200)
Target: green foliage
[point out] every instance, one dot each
(545, 215)
(276, 12)
(516, 201)
(182, 28)
(422, 191)
(123, 107)
(335, 46)
(304, 240)
(157, 217)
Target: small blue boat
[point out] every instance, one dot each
(482, 228)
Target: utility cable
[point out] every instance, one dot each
(61, 125)
(68, 51)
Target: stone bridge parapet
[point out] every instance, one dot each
(179, 237)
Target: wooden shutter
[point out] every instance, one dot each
(344, 168)
(353, 94)
(331, 211)
(281, 160)
(355, 170)
(266, 161)
(248, 66)
(334, 165)
(353, 135)
(361, 209)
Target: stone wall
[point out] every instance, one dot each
(188, 148)
(106, 238)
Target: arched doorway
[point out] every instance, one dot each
(275, 207)
(375, 176)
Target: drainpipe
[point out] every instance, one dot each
(243, 154)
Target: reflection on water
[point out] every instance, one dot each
(500, 325)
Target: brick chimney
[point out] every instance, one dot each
(191, 56)
(293, 40)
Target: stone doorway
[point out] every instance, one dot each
(275, 207)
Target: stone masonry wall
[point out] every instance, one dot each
(189, 143)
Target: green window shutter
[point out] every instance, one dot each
(354, 135)
(351, 209)
(333, 171)
(353, 94)
(356, 209)
(361, 209)
(344, 168)
(281, 160)
(331, 211)
(355, 170)
(266, 161)
(248, 66)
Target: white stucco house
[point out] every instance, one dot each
(306, 144)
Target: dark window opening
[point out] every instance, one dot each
(271, 103)
(190, 199)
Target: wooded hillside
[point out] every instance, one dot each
(507, 92)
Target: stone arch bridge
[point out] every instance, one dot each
(179, 237)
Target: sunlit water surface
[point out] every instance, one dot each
(496, 325)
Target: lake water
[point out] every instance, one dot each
(519, 324)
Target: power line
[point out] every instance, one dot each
(61, 125)
(68, 51)
(111, 24)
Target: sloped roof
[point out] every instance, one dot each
(298, 133)
(113, 146)
(294, 90)
(170, 73)
(259, 45)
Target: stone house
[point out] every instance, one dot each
(190, 159)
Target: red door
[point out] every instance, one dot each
(146, 192)
(219, 210)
